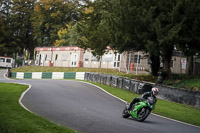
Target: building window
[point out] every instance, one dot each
(94, 58)
(107, 58)
(86, 57)
(172, 63)
(117, 60)
(149, 60)
(46, 57)
(137, 59)
(56, 57)
(8, 60)
(116, 64)
(2, 59)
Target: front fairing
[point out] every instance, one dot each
(137, 107)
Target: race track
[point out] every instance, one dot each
(87, 109)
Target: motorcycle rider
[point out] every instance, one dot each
(152, 94)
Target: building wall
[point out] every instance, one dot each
(136, 61)
(127, 61)
(89, 61)
(60, 57)
(178, 65)
(108, 60)
(44, 57)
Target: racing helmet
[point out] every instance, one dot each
(154, 91)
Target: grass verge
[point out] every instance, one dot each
(144, 77)
(182, 81)
(15, 119)
(190, 83)
(168, 109)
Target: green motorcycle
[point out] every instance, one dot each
(140, 110)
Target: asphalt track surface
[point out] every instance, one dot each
(87, 109)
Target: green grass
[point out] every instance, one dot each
(15, 119)
(184, 81)
(168, 109)
(193, 83)
(172, 110)
(190, 83)
(144, 77)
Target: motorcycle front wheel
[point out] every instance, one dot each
(143, 114)
(125, 113)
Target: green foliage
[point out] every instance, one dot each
(16, 17)
(150, 26)
(188, 82)
(19, 61)
(32, 23)
(62, 35)
(189, 36)
(68, 36)
(153, 26)
(94, 32)
(51, 16)
(2, 37)
(73, 35)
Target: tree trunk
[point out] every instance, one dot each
(100, 60)
(166, 69)
(167, 56)
(155, 64)
(190, 65)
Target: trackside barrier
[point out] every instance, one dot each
(167, 93)
(58, 75)
(48, 75)
(37, 75)
(80, 75)
(20, 75)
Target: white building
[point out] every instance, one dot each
(77, 57)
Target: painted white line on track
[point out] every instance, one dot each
(105, 91)
(151, 113)
(7, 77)
(21, 97)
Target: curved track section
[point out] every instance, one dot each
(87, 109)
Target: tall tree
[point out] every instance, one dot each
(167, 28)
(22, 30)
(16, 16)
(50, 16)
(62, 35)
(94, 32)
(129, 28)
(189, 36)
(6, 37)
(146, 25)
(73, 35)
(2, 33)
